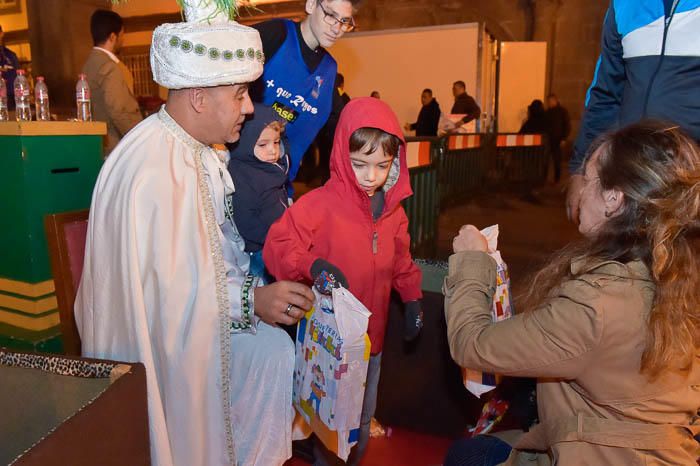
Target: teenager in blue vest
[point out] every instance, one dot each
(299, 72)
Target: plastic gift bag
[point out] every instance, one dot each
(448, 123)
(332, 355)
(477, 382)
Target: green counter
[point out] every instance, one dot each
(45, 167)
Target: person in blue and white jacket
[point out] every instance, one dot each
(649, 67)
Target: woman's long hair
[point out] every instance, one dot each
(657, 168)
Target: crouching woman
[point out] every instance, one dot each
(611, 326)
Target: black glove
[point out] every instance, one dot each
(413, 320)
(327, 276)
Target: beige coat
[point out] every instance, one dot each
(584, 346)
(113, 101)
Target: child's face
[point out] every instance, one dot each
(371, 170)
(267, 148)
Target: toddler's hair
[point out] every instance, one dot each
(277, 125)
(369, 140)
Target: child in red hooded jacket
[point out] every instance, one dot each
(353, 230)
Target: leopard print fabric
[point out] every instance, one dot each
(56, 364)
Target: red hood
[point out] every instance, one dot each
(367, 112)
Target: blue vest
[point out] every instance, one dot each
(301, 97)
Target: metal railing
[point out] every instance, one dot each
(521, 160)
(457, 167)
(423, 207)
(463, 166)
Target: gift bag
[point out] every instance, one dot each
(332, 355)
(477, 382)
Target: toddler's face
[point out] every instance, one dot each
(371, 170)
(267, 148)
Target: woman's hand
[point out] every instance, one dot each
(469, 239)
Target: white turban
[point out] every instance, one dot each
(205, 51)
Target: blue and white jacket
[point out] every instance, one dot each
(649, 67)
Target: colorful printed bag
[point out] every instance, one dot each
(332, 354)
(477, 382)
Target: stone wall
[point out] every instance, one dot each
(571, 28)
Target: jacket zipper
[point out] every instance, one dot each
(373, 222)
(667, 25)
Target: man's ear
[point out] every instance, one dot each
(310, 6)
(112, 39)
(198, 99)
(614, 200)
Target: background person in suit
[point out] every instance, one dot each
(111, 82)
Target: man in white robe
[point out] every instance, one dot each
(165, 277)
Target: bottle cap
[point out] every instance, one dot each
(82, 76)
(20, 72)
(40, 79)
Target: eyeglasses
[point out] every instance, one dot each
(346, 24)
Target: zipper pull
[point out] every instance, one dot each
(375, 238)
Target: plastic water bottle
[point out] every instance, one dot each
(82, 98)
(23, 110)
(4, 114)
(41, 100)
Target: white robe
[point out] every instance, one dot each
(161, 284)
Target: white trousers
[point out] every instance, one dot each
(262, 367)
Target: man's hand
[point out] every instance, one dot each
(283, 302)
(573, 197)
(469, 239)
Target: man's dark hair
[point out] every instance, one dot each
(460, 84)
(103, 23)
(427, 91)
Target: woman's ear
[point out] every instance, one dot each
(614, 200)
